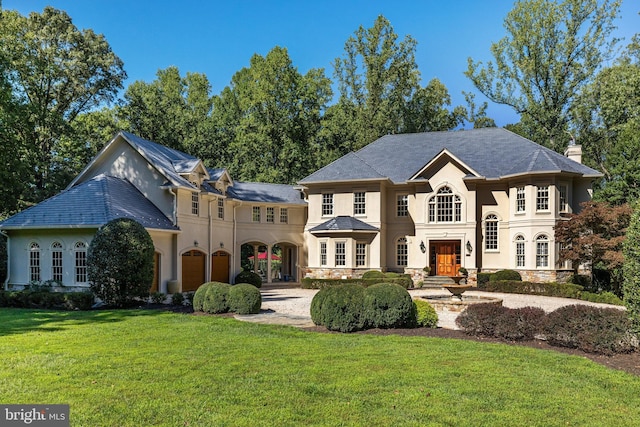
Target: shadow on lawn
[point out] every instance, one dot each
(19, 320)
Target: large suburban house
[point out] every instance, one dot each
(483, 199)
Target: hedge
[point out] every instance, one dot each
(403, 280)
(505, 275)
(564, 290)
(47, 300)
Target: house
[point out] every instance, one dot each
(199, 219)
(483, 199)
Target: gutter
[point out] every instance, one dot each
(6, 281)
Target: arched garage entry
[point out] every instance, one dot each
(220, 267)
(193, 270)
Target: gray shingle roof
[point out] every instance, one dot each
(265, 193)
(343, 223)
(490, 152)
(169, 161)
(91, 204)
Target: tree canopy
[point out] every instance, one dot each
(552, 50)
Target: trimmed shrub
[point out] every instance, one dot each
(373, 274)
(342, 308)
(177, 299)
(480, 319)
(591, 329)
(198, 296)
(564, 290)
(47, 300)
(120, 262)
(483, 278)
(511, 275)
(246, 276)
(78, 300)
(316, 305)
(403, 280)
(519, 324)
(387, 305)
(604, 297)
(188, 297)
(216, 298)
(244, 299)
(426, 316)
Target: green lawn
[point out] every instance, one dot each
(141, 368)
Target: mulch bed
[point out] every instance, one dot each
(624, 362)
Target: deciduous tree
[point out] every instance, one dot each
(551, 51)
(631, 286)
(594, 238)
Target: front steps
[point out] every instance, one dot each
(437, 281)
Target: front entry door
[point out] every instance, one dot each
(447, 258)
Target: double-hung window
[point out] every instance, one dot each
(359, 206)
(341, 254)
(284, 215)
(271, 214)
(195, 203)
(327, 204)
(520, 200)
(491, 233)
(56, 262)
(323, 253)
(563, 204)
(542, 198)
(220, 208)
(80, 250)
(520, 260)
(361, 254)
(34, 262)
(542, 251)
(255, 214)
(402, 252)
(402, 205)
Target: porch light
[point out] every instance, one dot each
(469, 247)
(423, 248)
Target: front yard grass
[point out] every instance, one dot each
(143, 367)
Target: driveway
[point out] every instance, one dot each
(288, 305)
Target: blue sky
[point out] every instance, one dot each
(217, 38)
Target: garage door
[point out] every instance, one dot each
(193, 269)
(220, 267)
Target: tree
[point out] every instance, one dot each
(631, 286)
(172, 110)
(594, 238)
(607, 119)
(120, 262)
(376, 78)
(551, 51)
(55, 72)
(270, 117)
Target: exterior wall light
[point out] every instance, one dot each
(423, 248)
(469, 247)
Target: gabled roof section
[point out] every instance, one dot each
(92, 204)
(488, 152)
(344, 224)
(445, 154)
(169, 162)
(259, 192)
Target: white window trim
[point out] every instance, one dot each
(524, 200)
(363, 204)
(497, 222)
(399, 241)
(344, 253)
(406, 206)
(548, 187)
(330, 206)
(366, 255)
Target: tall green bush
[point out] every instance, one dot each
(342, 308)
(316, 305)
(120, 262)
(246, 276)
(244, 299)
(631, 269)
(388, 306)
(198, 297)
(216, 298)
(3, 260)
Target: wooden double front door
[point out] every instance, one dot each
(444, 258)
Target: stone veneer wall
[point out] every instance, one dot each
(542, 276)
(334, 273)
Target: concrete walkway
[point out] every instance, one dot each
(288, 304)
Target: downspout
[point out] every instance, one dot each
(209, 237)
(235, 236)
(6, 281)
(175, 205)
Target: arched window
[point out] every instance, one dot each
(34, 262)
(56, 262)
(445, 206)
(520, 251)
(491, 233)
(402, 252)
(542, 251)
(80, 250)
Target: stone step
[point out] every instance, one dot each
(437, 281)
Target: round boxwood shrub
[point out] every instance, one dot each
(387, 305)
(198, 297)
(519, 324)
(316, 305)
(246, 276)
(373, 274)
(426, 316)
(120, 262)
(244, 299)
(216, 298)
(342, 308)
(505, 275)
